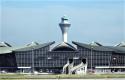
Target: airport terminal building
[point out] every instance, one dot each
(75, 58)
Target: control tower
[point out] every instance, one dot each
(64, 25)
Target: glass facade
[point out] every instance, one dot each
(102, 58)
(95, 58)
(42, 59)
(27, 58)
(45, 59)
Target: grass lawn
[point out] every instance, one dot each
(61, 76)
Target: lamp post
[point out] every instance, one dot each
(115, 63)
(33, 60)
(109, 61)
(91, 56)
(114, 59)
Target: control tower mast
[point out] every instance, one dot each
(64, 25)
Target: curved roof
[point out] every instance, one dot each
(116, 49)
(4, 50)
(31, 47)
(64, 47)
(122, 44)
(4, 44)
(95, 44)
(32, 44)
(97, 48)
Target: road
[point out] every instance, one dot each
(78, 79)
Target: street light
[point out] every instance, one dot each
(91, 56)
(33, 60)
(114, 59)
(115, 63)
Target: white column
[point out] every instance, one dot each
(65, 37)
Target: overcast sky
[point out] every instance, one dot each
(24, 21)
